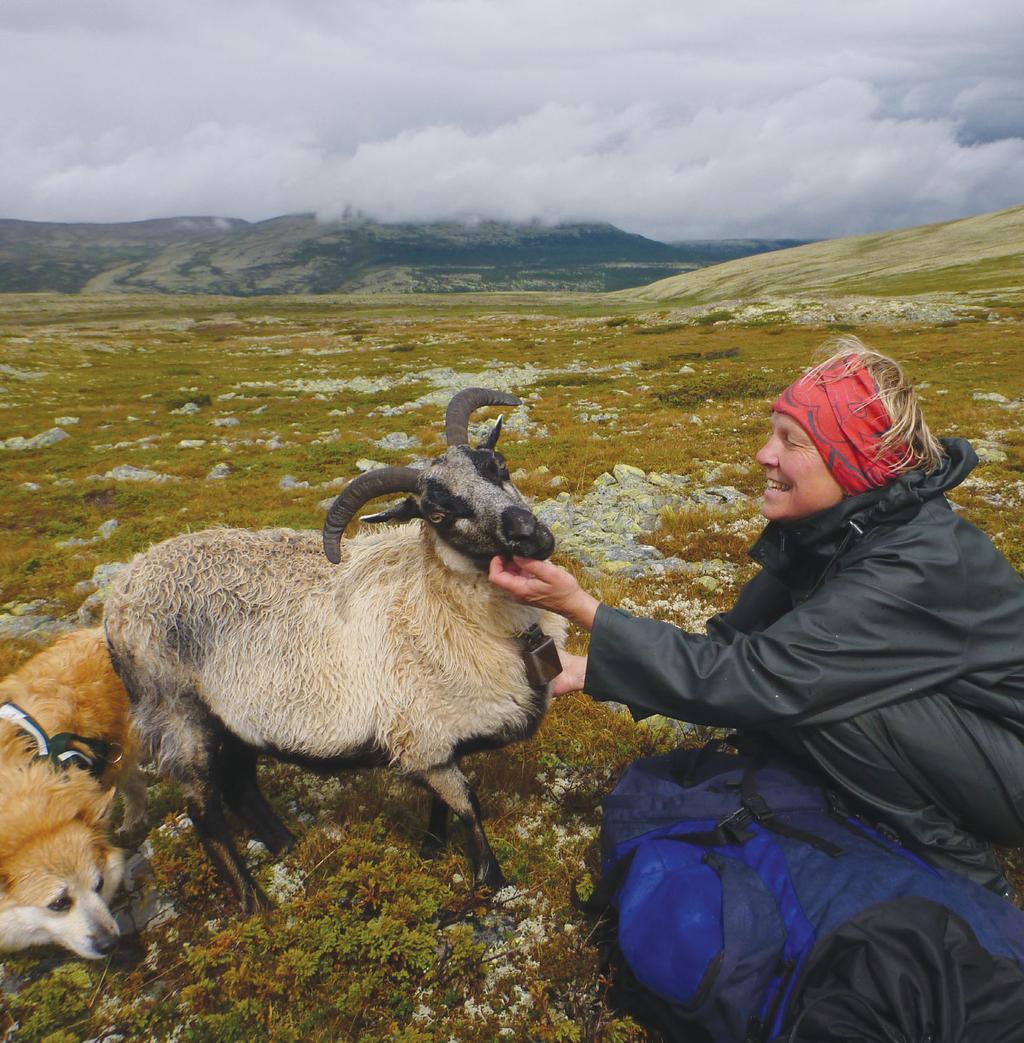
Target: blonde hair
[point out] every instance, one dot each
(922, 450)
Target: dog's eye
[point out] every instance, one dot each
(60, 905)
(99, 883)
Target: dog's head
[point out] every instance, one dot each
(57, 871)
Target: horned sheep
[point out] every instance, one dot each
(387, 648)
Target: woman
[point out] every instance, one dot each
(883, 639)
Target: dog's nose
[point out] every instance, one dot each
(104, 943)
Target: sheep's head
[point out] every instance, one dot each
(465, 495)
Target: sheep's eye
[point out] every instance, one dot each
(60, 905)
(436, 517)
(99, 884)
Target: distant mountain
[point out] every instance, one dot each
(974, 253)
(298, 254)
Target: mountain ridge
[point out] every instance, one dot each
(296, 253)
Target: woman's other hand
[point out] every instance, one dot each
(545, 585)
(574, 672)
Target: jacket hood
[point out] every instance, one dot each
(823, 532)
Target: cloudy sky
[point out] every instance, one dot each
(675, 119)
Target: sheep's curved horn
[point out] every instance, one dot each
(456, 421)
(384, 481)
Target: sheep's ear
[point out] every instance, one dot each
(492, 438)
(405, 511)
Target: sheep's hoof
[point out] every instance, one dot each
(492, 878)
(431, 847)
(255, 900)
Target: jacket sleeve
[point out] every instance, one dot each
(870, 636)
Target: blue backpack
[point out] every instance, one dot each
(749, 905)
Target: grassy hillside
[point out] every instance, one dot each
(368, 941)
(973, 254)
(297, 254)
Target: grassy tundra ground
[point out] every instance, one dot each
(368, 941)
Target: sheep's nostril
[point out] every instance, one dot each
(517, 523)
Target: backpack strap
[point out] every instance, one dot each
(757, 807)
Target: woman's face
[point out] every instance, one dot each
(799, 483)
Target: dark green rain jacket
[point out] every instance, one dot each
(887, 596)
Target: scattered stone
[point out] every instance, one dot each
(104, 532)
(40, 441)
(127, 473)
(188, 409)
(31, 627)
(258, 410)
(65, 421)
(603, 529)
(226, 421)
(990, 454)
(192, 443)
(219, 471)
(289, 482)
(21, 374)
(363, 464)
(397, 440)
(143, 905)
(347, 411)
(989, 396)
(90, 612)
(30, 487)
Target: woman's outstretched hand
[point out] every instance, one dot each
(547, 586)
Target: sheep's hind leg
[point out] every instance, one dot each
(451, 787)
(236, 770)
(436, 836)
(200, 781)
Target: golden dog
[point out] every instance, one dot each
(57, 868)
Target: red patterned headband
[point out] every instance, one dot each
(840, 409)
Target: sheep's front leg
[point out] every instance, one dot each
(452, 788)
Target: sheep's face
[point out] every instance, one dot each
(472, 505)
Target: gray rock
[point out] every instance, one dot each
(289, 482)
(30, 627)
(192, 443)
(40, 441)
(188, 409)
(65, 421)
(989, 396)
(397, 440)
(106, 530)
(127, 473)
(364, 464)
(142, 905)
(219, 471)
(989, 454)
(603, 529)
(226, 421)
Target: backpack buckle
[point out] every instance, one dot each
(734, 827)
(758, 808)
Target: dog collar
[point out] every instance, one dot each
(59, 749)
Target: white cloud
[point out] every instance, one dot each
(672, 120)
